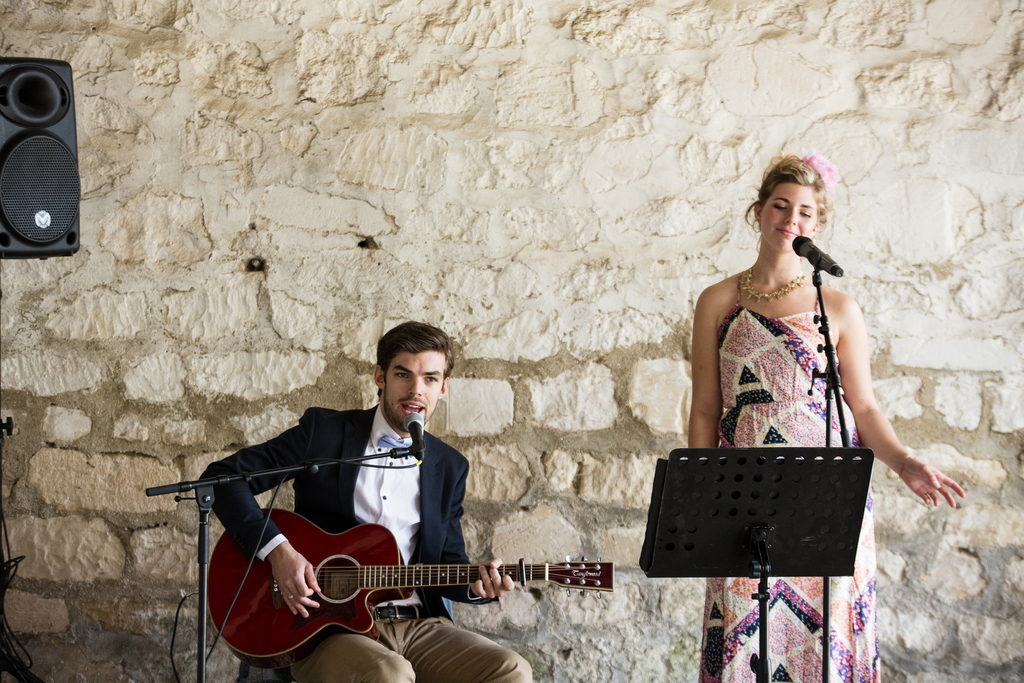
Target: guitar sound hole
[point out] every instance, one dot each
(338, 578)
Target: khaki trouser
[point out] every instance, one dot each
(422, 650)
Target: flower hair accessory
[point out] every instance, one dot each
(824, 168)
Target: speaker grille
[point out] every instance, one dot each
(40, 189)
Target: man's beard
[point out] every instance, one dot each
(393, 413)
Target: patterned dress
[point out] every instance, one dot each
(766, 366)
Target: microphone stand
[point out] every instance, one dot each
(833, 387)
(204, 500)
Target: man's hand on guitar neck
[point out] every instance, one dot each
(491, 584)
(295, 578)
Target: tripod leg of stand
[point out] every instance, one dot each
(760, 664)
(826, 626)
(761, 569)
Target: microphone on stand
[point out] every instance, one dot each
(413, 424)
(819, 259)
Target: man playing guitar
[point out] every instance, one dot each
(420, 505)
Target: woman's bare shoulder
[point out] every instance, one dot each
(714, 304)
(840, 303)
(720, 296)
(844, 312)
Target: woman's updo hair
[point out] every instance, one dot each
(791, 169)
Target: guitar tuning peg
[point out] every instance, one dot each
(583, 559)
(568, 558)
(600, 595)
(568, 592)
(583, 594)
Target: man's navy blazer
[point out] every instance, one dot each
(327, 498)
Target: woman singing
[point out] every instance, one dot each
(755, 345)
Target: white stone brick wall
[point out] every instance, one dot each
(268, 187)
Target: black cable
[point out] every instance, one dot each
(10, 659)
(376, 467)
(381, 467)
(9, 644)
(177, 614)
(174, 632)
(252, 559)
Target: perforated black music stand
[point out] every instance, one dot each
(757, 512)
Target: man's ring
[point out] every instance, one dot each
(291, 597)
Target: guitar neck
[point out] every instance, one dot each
(414, 576)
(342, 580)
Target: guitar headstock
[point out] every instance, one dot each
(584, 575)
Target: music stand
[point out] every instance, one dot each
(717, 512)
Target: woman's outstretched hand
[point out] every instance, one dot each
(929, 483)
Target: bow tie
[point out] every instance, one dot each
(390, 442)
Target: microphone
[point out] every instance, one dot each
(819, 259)
(413, 424)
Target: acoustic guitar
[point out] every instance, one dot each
(356, 570)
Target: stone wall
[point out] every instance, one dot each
(267, 186)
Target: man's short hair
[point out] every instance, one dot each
(414, 337)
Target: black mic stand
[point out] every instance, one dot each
(833, 387)
(204, 500)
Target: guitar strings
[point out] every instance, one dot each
(508, 570)
(394, 576)
(420, 569)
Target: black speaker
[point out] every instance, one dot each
(40, 189)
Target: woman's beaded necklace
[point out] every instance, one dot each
(777, 294)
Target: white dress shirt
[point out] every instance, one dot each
(390, 497)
